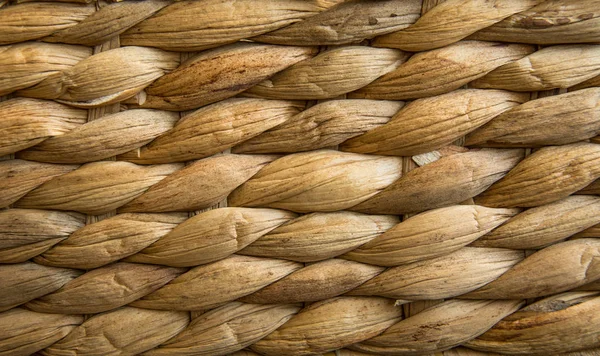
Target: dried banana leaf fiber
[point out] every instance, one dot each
(300, 177)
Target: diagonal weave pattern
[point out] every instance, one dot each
(300, 177)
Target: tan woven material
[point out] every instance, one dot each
(300, 177)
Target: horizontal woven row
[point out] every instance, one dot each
(323, 180)
(152, 78)
(57, 133)
(193, 26)
(369, 324)
(61, 239)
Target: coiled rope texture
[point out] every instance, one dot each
(389, 177)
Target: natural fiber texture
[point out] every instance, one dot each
(300, 177)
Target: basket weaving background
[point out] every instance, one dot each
(300, 177)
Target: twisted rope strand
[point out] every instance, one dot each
(61, 240)
(269, 329)
(304, 182)
(167, 25)
(55, 133)
(153, 78)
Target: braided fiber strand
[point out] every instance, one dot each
(299, 177)
(272, 329)
(152, 78)
(163, 24)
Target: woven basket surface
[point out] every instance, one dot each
(300, 177)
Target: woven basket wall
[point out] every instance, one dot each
(300, 177)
